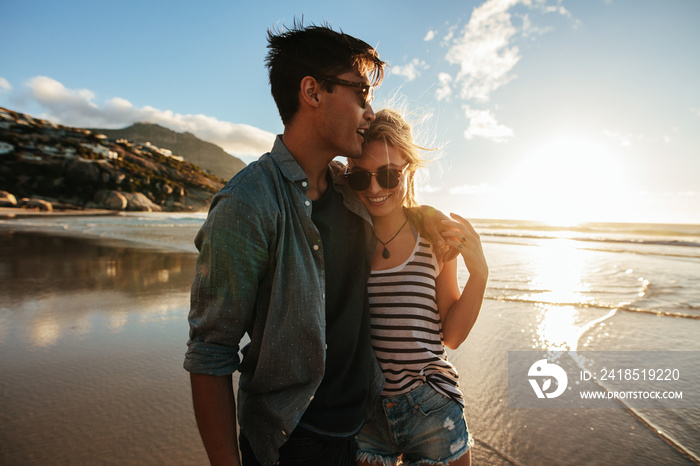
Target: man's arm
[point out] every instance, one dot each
(215, 411)
(232, 259)
(429, 222)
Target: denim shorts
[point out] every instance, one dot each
(422, 426)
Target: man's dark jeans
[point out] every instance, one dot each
(308, 449)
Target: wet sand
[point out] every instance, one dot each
(93, 330)
(92, 338)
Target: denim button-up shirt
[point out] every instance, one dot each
(261, 271)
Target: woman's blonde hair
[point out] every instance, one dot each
(389, 126)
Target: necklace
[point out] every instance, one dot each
(386, 254)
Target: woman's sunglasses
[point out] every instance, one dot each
(388, 178)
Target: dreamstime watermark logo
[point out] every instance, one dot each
(546, 371)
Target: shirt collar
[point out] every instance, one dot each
(285, 161)
(291, 170)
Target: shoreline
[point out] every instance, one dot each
(143, 230)
(18, 212)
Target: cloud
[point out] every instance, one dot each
(444, 91)
(681, 193)
(411, 70)
(484, 52)
(482, 189)
(448, 37)
(76, 107)
(426, 188)
(529, 29)
(624, 140)
(5, 85)
(429, 36)
(483, 124)
(695, 111)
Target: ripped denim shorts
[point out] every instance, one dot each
(422, 427)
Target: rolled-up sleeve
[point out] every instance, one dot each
(233, 256)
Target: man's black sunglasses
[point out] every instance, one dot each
(388, 178)
(365, 89)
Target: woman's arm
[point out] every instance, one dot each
(459, 311)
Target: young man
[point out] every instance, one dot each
(284, 257)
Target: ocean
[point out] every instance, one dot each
(587, 288)
(93, 329)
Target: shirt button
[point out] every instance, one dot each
(315, 247)
(304, 184)
(307, 203)
(311, 398)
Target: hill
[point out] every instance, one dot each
(204, 154)
(46, 166)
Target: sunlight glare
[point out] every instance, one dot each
(557, 329)
(558, 280)
(557, 273)
(566, 181)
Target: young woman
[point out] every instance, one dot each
(416, 309)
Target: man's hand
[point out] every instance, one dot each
(430, 223)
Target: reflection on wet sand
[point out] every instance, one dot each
(55, 283)
(33, 262)
(92, 339)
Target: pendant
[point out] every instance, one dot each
(385, 253)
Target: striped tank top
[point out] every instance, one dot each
(406, 328)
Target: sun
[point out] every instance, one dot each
(566, 181)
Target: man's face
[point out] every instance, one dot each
(346, 116)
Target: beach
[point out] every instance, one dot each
(93, 335)
(93, 330)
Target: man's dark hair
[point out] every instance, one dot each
(316, 51)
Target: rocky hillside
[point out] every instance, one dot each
(47, 166)
(204, 154)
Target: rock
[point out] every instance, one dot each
(65, 206)
(84, 171)
(197, 200)
(35, 204)
(7, 199)
(140, 203)
(111, 200)
(115, 201)
(62, 177)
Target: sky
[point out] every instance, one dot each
(555, 110)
